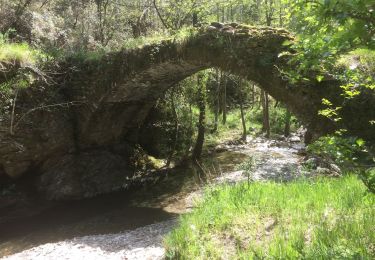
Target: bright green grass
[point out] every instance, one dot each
(18, 52)
(322, 219)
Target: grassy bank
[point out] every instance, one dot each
(18, 52)
(322, 219)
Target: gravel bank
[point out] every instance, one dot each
(141, 243)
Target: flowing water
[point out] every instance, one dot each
(130, 225)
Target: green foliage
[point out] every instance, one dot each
(82, 55)
(227, 132)
(161, 124)
(15, 58)
(343, 150)
(248, 168)
(132, 43)
(142, 162)
(334, 38)
(357, 69)
(348, 152)
(330, 111)
(327, 29)
(278, 116)
(368, 178)
(321, 219)
(333, 25)
(18, 52)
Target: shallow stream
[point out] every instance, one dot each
(131, 224)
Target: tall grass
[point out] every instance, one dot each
(17, 52)
(321, 219)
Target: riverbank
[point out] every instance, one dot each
(132, 226)
(171, 195)
(321, 218)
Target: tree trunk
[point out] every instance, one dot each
(174, 145)
(197, 152)
(224, 102)
(244, 132)
(164, 23)
(266, 119)
(253, 95)
(217, 105)
(191, 123)
(287, 123)
(195, 19)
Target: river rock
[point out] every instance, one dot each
(311, 163)
(301, 131)
(280, 137)
(228, 30)
(217, 25)
(221, 148)
(15, 170)
(335, 168)
(243, 31)
(295, 139)
(322, 171)
(234, 25)
(211, 28)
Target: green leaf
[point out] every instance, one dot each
(319, 78)
(326, 102)
(287, 43)
(360, 142)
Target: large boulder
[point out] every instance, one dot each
(83, 176)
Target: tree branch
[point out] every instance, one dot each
(159, 15)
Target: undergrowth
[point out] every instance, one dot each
(18, 52)
(305, 219)
(177, 36)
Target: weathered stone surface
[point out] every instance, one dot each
(83, 175)
(294, 139)
(217, 25)
(101, 103)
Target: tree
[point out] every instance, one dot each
(244, 130)
(197, 151)
(176, 128)
(288, 116)
(217, 99)
(265, 108)
(224, 98)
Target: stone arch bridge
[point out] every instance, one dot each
(80, 146)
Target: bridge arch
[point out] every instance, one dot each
(137, 78)
(81, 150)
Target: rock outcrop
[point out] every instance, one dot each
(77, 133)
